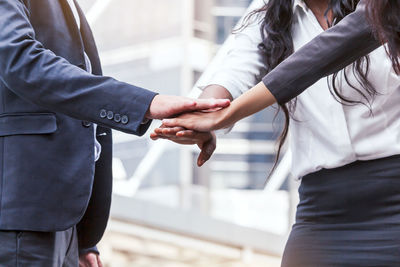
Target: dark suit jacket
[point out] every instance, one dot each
(328, 53)
(48, 178)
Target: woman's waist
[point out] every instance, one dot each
(360, 191)
(330, 146)
(316, 158)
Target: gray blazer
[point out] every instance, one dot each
(327, 53)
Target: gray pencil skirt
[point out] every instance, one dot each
(348, 216)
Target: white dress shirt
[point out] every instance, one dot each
(325, 134)
(97, 146)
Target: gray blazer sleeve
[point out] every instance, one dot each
(328, 53)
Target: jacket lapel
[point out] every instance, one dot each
(89, 42)
(73, 29)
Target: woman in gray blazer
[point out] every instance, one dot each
(355, 36)
(348, 213)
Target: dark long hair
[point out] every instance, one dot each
(277, 45)
(384, 16)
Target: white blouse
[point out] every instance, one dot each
(325, 133)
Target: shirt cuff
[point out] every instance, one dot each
(89, 250)
(145, 121)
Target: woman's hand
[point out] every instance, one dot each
(202, 121)
(206, 141)
(252, 101)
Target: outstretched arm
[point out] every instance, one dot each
(327, 53)
(252, 101)
(39, 76)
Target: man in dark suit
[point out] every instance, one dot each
(56, 111)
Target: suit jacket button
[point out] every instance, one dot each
(103, 113)
(110, 115)
(124, 119)
(117, 118)
(86, 124)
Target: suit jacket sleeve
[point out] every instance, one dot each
(328, 53)
(89, 250)
(41, 77)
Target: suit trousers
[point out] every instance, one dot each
(39, 249)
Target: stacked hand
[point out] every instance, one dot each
(195, 128)
(164, 106)
(202, 121)
(206, 141)
(195, 125)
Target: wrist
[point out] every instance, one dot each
(149, 114)
(224, 119)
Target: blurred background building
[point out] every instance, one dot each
(166, 211)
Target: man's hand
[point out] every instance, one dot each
(206, 141)
(164, 106)
(90, 259)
